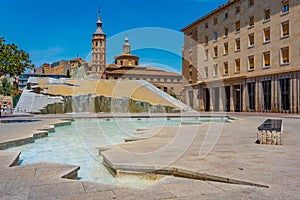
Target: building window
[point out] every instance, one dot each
(225, 31)
(251, 2)
(267, 35)
(206, 25)
(267, 86)
(251, 40)
(178, 80)
(237, 26)
(137, 79)
(225, 68)
(251, 93)
(158, 79)
(237, 44)
(215, 20)
(165, 89)
(190, 47)
(191, 98)
(151, 79)
(285, 93)
(206, 40)
(130, 78)
(215, 35)
(267, 58)
(251, 21)
(237, 65)
(285, 6)
(226, 48)
(226, 15)
(165, 80)
(172, 80)
(285, 26)
(267, 14)
(206, 54)
(251, 63)
(216, 70)
(115, 78)
(205, 72)
(172, 89)
(191, 77)
(237, 9)
(285, 55)
(216, 51)
(144, 79)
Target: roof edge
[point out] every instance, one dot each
(230, 2)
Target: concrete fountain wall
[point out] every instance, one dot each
(52, 96)
(96, 104)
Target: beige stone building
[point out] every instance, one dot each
(244, 56)
(60, 67)
(126, 67)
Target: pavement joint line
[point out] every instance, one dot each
(82, 183)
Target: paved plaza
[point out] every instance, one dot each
(223, 151)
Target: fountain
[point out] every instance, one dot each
(93, 96)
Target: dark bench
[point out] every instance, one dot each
(269, 132)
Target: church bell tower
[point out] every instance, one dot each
(126, 46)
(98, 49)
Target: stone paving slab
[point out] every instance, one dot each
(105, 195)
(16, 131)
(8, 159)
(235, 155)
(25, 181)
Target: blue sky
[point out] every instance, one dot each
(54, 30)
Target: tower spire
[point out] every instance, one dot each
(126, 40)
(99, 23)
(126, 46)
(99, 16)
(98, 49)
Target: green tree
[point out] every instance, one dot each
(13, 61)
(5, 88)
(174, 95)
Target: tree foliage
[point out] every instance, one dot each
(174, 95)
(5, 88)
(13, 61)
